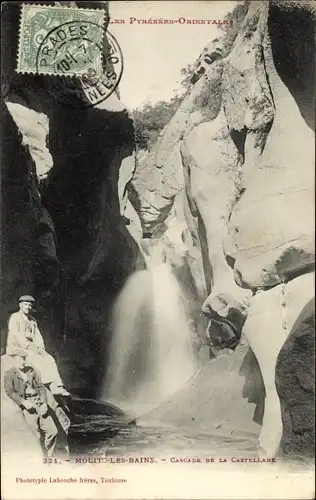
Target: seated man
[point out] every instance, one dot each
(23, 385)
(24, 333)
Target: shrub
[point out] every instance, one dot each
(152, 119)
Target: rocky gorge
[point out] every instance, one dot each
(225, 197)
(232, 194)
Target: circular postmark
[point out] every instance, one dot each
(82, 63)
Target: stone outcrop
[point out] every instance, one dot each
(246, 141)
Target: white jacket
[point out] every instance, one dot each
(23, 332)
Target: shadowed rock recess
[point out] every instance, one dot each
(226, 193)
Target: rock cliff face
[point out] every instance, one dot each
(65, 232)
(243, 140)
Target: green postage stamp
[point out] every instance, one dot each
(60, 40)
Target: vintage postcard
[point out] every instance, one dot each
(157, 250)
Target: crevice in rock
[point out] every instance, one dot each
(230, 261)
(266, 42)
(239, 139)
(187, 181)
(204, 251)
(133, 196)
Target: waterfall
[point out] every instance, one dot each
(151, 354)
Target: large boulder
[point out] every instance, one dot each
(213, 401)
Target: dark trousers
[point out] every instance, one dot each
(42, 426)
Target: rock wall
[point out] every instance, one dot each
(246, 141)
(278, 176)
(66, 236)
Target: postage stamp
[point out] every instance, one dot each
(61, 40)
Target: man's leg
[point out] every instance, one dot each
(32, 420)
(50, 432)
(46, 365)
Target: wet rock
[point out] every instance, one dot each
(86, 406)
(202, 403)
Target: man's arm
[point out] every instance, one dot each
(10, 390)
(40, 386)
(38, 340)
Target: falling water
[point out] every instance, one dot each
(151, 354)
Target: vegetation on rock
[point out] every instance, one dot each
(150, 120)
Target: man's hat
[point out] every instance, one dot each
(17, 351)
(26, 298)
